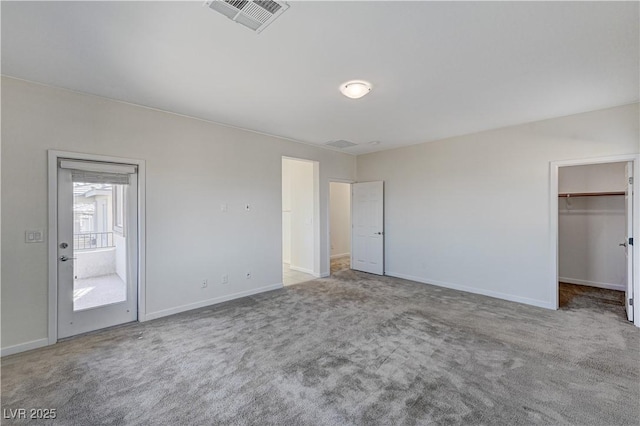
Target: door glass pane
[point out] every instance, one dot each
(99, 245)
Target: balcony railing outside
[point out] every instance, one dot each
(92, 240)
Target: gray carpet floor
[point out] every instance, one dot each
(350, 349)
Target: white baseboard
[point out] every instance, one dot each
(608, 286)
(35, 344)
(490, 293)
(324, 275)
(208, 302)
(337, 256)
(305, 270)
(22, 347)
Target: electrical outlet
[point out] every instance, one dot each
(225, 279)
(224, 207)
(248, 275)
(247, 207)
(205, 283)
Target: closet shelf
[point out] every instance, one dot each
(589, 194)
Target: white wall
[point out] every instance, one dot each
(192, 167)
(121, 256)
(301, 184)
(340, 218)
(606, 177)
(472, 212)
(590, 229)
(94, 263)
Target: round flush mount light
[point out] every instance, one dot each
(355, 89)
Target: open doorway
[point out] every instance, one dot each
(300, 223)
(595, 231)
(340, 225)
(593, 224)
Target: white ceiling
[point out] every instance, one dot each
(438, 69)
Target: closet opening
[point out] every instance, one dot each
(595, 224)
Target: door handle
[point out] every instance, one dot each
(623, 244)
(65, 258)
(379, 233)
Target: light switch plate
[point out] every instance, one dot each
(34, 236)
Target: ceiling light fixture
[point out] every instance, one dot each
(355, 89)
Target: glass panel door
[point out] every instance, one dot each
(97, 250)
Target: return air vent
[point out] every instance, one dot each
(341, 144)
(253, 14)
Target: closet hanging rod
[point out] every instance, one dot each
(589, 194)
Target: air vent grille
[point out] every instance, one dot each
(341, 144)
(268, 5)
(253, 14)
(238, 4)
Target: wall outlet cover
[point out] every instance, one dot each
(34, 236)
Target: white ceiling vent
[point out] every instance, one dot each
(341, 144)
(254, 14)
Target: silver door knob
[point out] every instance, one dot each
(65, 258)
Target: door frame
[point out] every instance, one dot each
(53, 157)
(554, 167)
(328, 212)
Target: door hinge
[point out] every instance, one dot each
(631, 301)
(631, 180)
(631, 241)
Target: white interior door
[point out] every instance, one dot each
(367, 251)
(628, 195)
(97, 246)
